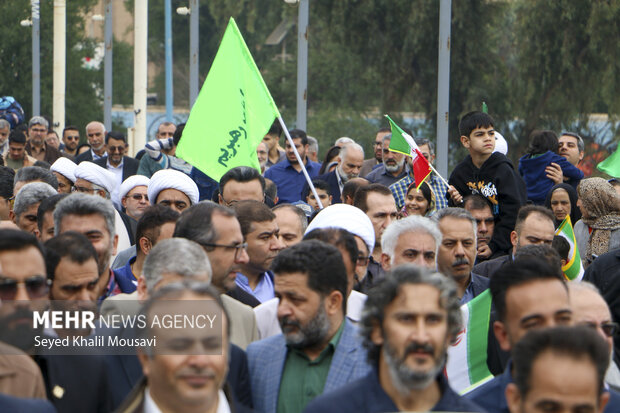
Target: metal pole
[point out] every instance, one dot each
(443, 86)
(140, 74)
(193, 51)
(302, 64)
(107, 67)
(168, 43)
(59, 65)
(36, 67)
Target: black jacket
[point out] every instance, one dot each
(130, 165)
(498, 182)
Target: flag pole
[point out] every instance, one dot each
(303, 167)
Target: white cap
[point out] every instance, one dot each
(346, 217)
(171, 179)
(96, 174)
(65, 167)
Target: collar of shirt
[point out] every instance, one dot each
(468, 295)
(95, 156)
(340, 183)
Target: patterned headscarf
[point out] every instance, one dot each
(601, 201)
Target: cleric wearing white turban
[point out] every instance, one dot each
(133, 195)
(64, 170)
(173, 189)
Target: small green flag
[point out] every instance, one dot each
(611, 165)
(233, 112)
(397, 142)
(573, 269)
(485, 108)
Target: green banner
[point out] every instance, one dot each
(233, 112)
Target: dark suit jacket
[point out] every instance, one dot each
(334, 189)
(130, 165)
(488, 268)
(76, 382)
(19, 405)
(86, 156)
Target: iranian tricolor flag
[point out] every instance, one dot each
(402, 142)
(573, 270)
(466, 367)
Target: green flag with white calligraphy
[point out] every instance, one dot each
(233, 112)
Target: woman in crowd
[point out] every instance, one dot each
(598, 231)
(562, 201)
(419, 202)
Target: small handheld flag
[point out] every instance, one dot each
(402, 142)
(573, 270)
(611, 165)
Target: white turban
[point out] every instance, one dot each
(501, 145)
(97, 175)
(130, 183)
(346, 217)
(65, 167)
(171, 179)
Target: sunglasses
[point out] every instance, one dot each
(138, 197)
(36, 287)
(72, 138)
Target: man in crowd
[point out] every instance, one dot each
(240, 184)
(439, 188)
(377, 145)
(534, 225)
(313, 149)
(36, 146)
(528, 294)
(64, 171)
(350, 188)
(560, 370)
(93, 217)
(311, 283)
(323, 191)
(410, 320)
(262, 235)
(480, 209)
(413, 240)
(148, 166)
(45, 216)
(217, 230)
(52, 139)
(116, 162)
(377, 202)
(27, 200)
(17, 157)
(172, 189)
(7, 175)
(275, 153)
(392, 170)
(572, 147)
(350, 162)
(262, 152)
(70, 140)
(457, 252)
(287, 175)
(5, 129)
(29, 174)
(95, 133)
(292, 223)
(134, 196)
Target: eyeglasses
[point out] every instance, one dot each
(83, 189)
(138, 197)
(610, 329)
(36, 287)
(116, 148)
(237, 247)
(72, 138)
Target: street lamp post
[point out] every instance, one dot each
(36, 62)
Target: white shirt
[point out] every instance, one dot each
(118, 174)
(267, 314)
(151, 407)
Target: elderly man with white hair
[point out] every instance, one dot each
(173, 189)
(350, 162)
(64, 170)
(340, 216)
(411, 240)
(95, 180)
(27, 200)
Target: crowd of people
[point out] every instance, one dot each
(345, 298)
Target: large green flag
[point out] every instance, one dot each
(233, 112)
(611, 165)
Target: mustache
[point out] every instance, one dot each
(460, 261)
(286, 323)
(205, 372)
(419, 347)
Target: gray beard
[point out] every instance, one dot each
(394, 168)
(403, 378)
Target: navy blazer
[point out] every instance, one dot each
(20, 405)
(266, 360)
(130, 165)
(367, 396)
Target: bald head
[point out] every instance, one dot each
(589, 308)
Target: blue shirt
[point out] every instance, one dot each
(379, 175)
(125, 278)
(291, 183)
(264, 290)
